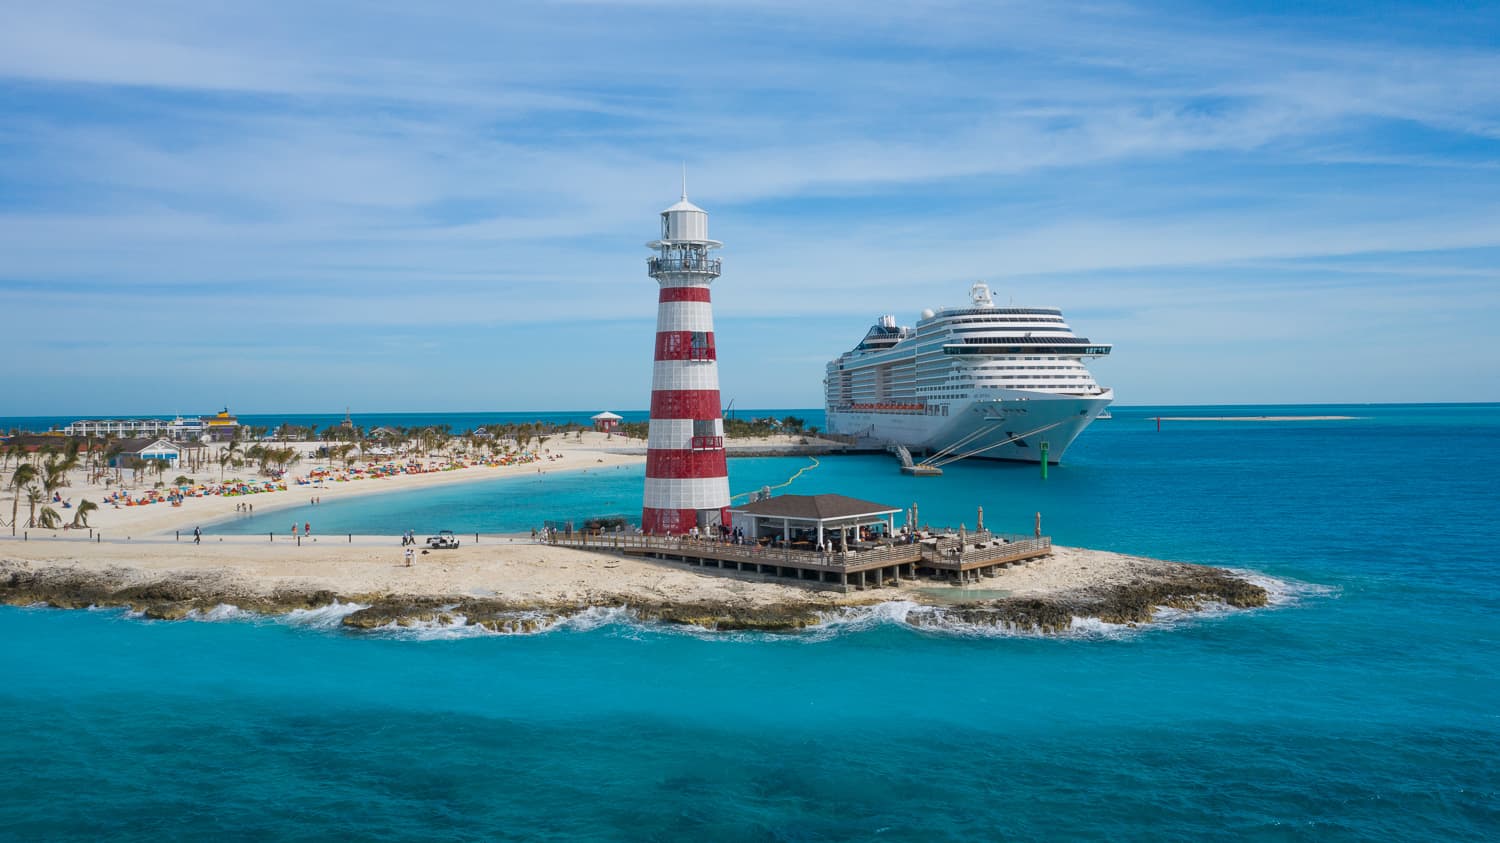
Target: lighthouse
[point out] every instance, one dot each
(687, 480)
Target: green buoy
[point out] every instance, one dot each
(1045, 446)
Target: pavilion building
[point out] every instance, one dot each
(816, 521)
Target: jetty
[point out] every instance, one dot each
(943, 555)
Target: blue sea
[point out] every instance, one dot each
(1363, 705)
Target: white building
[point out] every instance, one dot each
(147, 449)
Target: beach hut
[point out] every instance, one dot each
(148, 450)
(606, 421)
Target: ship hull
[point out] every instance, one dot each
(1008, 425)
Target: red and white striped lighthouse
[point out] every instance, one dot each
(687, 480)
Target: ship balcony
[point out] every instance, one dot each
(707, 266)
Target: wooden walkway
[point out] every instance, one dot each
(981, 555)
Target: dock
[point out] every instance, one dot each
(942, 556)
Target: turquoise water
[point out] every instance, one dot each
(1361, 707)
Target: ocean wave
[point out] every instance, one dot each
(323, 617)
(446, 628)
(597, 617)
(221, 612)
(1285, 592)
(941, 621)
(917, 618)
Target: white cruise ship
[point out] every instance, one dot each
(972, 381)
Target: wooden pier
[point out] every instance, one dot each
(943, 556)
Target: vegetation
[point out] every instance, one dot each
(24, 474)
(81, 515)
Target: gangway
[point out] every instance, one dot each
(907, 465)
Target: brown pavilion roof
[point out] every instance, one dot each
(814, 507)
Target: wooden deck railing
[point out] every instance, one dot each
(980, 549)
(682, 545)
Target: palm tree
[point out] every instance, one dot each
(55, 473)
(25, 474)
(81, 516)
(137, 466)
(226, 456)
(34, 498)
(111, 455)
(48, 519)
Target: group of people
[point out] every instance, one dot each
(244, 506)
(408, 538)
(306, 528)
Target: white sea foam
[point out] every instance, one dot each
(595, 617)
(221, 612)
(940, 620)
(1285, 592)
(904, 614)
(322, 617)
(448, 628)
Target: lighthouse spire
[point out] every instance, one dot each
(684, 181)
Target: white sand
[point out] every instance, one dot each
(521, 570)
(506, 568)
(558, 454)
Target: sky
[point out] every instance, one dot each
(301, 206)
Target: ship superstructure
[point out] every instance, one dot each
(978, 380)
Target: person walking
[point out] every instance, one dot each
(306, 528)
(409, 556)
(197, 535)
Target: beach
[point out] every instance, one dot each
(144, 556)
(591, 450)
(500, 580)
(576, 452)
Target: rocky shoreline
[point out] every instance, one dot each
(178, 594)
